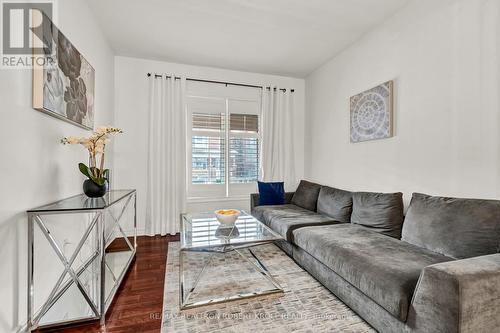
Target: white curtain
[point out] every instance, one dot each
(166, 180)
(278, 156)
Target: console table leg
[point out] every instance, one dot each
(29, 323)
(102, 235)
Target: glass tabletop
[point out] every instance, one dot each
(82, 202)
(203, 231)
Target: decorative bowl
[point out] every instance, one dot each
(227, 216)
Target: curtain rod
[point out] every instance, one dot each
(221, 82)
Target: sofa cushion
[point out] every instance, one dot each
(459, 228)
(383, 268)
(335, 203)
(306, 195)
(258, 211)
(284, 219)
(380, 212)
(271, 193)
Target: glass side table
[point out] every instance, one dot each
(217, 263)
(78, 254)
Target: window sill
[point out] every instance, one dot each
(215, 199)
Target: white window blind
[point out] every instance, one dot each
(224, 136)
(244, 123)
(208, 122)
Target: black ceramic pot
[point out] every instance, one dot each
(92, 190)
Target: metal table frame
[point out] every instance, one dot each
(99, 222)
(184, 297)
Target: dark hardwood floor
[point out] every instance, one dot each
(137, 307)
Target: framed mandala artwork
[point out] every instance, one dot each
(371, 113)
(63, 84)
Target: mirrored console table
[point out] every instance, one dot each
(78, 254)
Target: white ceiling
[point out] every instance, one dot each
(285, 37)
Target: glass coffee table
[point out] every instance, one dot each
(218, 263)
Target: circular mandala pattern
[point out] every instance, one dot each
(370, 115)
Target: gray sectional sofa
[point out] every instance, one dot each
(437, 269)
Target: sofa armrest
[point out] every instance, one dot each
(458, 296)
(254, 199)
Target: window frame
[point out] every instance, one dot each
(227, 97)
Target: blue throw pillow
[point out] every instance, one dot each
(271, 193)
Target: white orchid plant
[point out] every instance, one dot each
(96, 146)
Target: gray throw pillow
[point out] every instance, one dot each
(458, 228)
(335, 203)
(306, 195)
(380, 212)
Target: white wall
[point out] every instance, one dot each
(35, 168)
(131, 102)
(444, 58)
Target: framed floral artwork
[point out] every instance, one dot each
(63, 84)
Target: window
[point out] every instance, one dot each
(224, 137)
(207, 149)
(243, 148)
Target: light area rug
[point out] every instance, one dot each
(305, 305)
